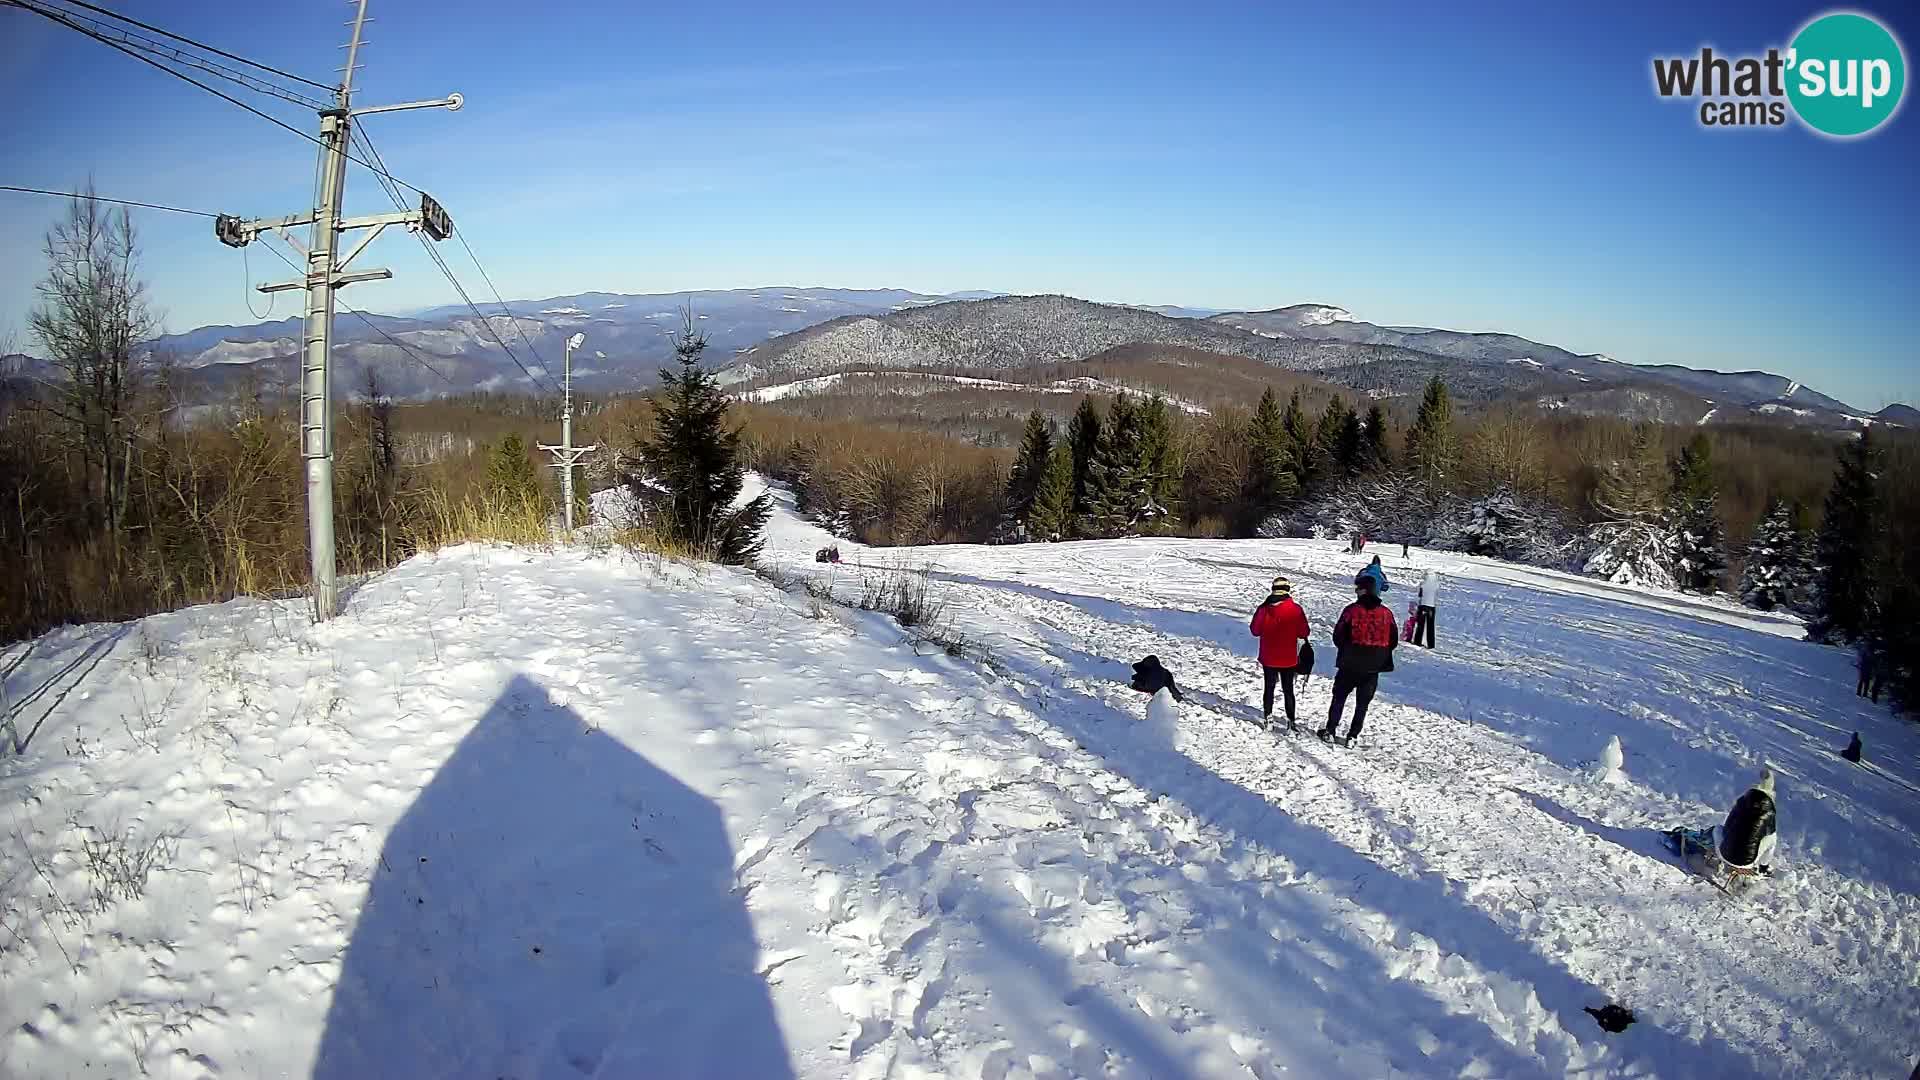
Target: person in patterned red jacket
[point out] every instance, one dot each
(1365, 638)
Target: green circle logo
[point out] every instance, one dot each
(1846, 74)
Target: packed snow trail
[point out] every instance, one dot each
(1475, 792)
(574, 814)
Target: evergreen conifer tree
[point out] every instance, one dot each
(1300, 452)
(1029, 469)
(1633, 544)
(1272, 481)
(694, 464)
(1848, 542)
(1083, 438)
(1051, 516)
(1693, 505)
(1160, 448)
(1432, 446)
(511, 477)
(1373, 451)
(1119, 493)
(1777, 573)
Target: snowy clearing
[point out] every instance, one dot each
(573, 814)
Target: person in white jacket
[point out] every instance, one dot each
(1423, 615)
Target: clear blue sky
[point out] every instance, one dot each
(1477, 168)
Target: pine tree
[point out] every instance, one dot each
(1847, 546)
(1161, 452)
(1349, 448)
(694, 465)
(1326, 441)
(1083, 437)
(1433, 448)
(511, 477)
(1373, 451)
(1051, 516)
(1633, 544)
(1694, 519)
(1029, 469)
(1299, 443)
(1272, 481)
(1119, 495)
(1777, 572)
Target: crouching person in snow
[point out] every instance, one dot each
(1749, 836)
(1365, 638)
(1149, 677)
(1280, 625)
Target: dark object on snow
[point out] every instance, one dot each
(1149, 678)
(1612, 1017)
(827, 554)
(1304, 666)
(1852, 752)
(1748, 838)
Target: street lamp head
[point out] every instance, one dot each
(576, 341)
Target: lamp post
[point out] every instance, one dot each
(567, 454)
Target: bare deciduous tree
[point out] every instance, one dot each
(92, 315)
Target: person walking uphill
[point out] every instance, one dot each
(1423, 615)
(1365, 637)
(1281, 625)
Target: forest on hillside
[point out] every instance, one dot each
(119, 500)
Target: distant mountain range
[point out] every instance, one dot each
(764, 337)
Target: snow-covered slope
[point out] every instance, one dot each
(573, 814)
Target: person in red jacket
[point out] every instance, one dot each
(1280, 625)
(1365, 637)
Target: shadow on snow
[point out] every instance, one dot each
(552, 904)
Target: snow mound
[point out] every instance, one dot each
(1163, 719)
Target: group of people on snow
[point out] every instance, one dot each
(1365, 638)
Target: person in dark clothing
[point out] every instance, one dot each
(1365, 638)
(1748, 838)
(1852, 752)
(1149, 677)
(1865, 659)
(1281, 625)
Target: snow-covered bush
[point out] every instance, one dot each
(1632, 552)
(1506, 526)
(1390, 508)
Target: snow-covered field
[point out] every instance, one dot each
(572, 814)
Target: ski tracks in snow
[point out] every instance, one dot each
(1481, 864)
